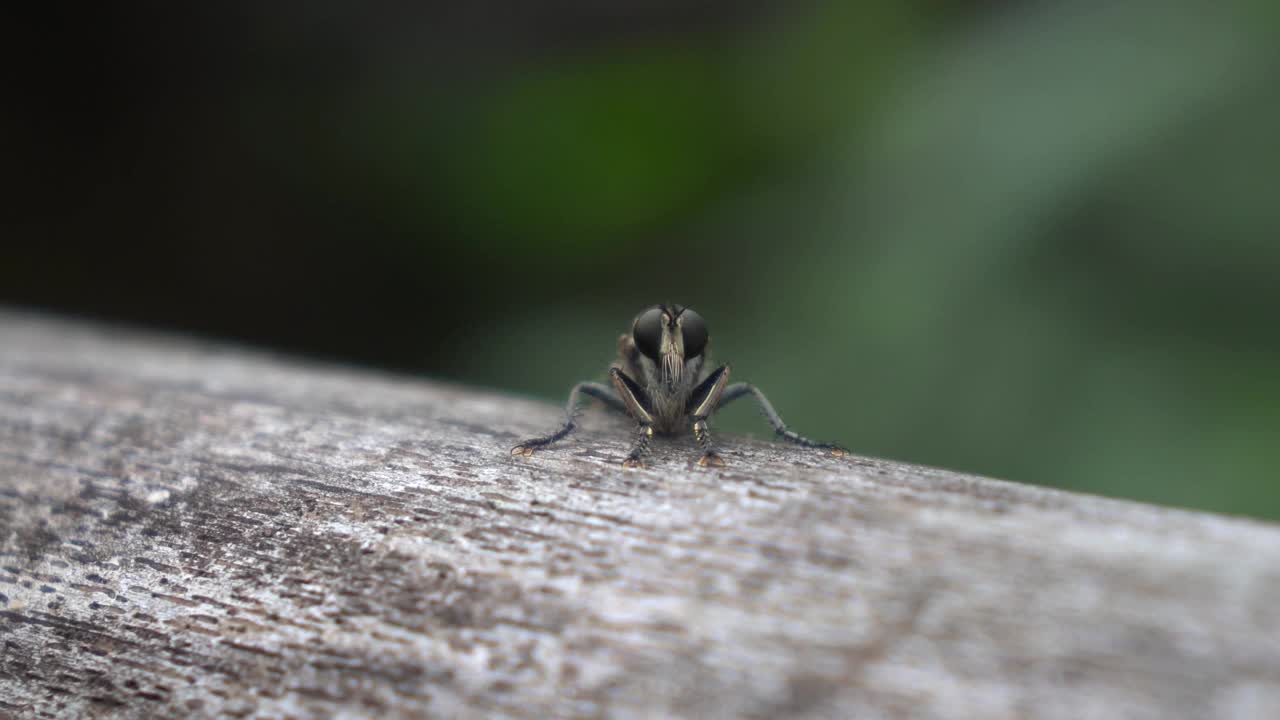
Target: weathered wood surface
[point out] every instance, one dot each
(188, 530)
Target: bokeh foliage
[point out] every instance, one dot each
(1031, 240)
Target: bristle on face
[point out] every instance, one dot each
(672, 368)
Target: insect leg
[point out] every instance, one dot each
(595, 390)
(635, 458)
(634, 398)
(639, 407)
(737, 390)
(702, 402)
(701, 433)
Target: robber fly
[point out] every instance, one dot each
(658, 381)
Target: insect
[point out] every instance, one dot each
(658, 381)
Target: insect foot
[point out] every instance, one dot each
(711, 459)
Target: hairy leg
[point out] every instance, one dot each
(709, 457)
(595, 390)
(638, 406)
(737, 390)
(702, 402)
(635, 458)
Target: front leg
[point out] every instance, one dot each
(701, 433)
(639, 407)
(635, 458)
(702, 402)
(738, 390)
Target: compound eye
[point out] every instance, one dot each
(648, 332)
(695, 333)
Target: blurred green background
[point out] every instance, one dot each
(1031, 240)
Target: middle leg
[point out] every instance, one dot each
(737, 390)
(595, 390)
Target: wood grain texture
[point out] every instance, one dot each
(194, 530)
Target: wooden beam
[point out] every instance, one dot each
(189, 529)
